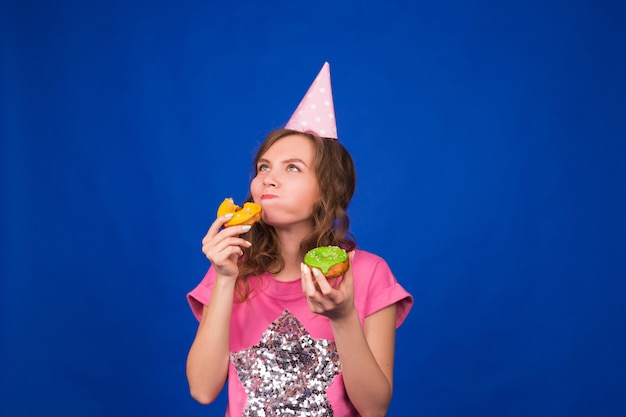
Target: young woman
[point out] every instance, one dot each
(287, 340)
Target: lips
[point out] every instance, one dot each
(268, 196)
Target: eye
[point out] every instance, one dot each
(293, 168)
(262, 167)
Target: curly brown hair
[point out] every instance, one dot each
(336, 176)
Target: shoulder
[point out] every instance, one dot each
(376, 287)
(367, 259)
(371, 269)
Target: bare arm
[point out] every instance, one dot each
(366, 352)
(367, 355)
(207, 361)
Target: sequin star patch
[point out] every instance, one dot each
(287, 372)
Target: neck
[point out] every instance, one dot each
(290, 240)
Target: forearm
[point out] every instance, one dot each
(368, 387)
(207, 362)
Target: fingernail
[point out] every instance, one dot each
(229, 215)
(248, 243)
(316, 272)
(246, 227)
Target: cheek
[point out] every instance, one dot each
(256, 188)
(313, 191)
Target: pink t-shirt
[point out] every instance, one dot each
(283, 359)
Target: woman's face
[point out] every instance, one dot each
(285, 184)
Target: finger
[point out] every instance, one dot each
(232, 241)
(225, 232)
(348, 278)
(221, 257)
(309, 284)
(226, 238)
(216, 225)
(322, 282)
(308, 288)
(222, 220)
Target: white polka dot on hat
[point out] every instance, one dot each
(316, 111)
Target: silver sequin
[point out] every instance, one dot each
(287, 372)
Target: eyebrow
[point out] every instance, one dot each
(286, 161)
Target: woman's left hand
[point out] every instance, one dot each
(330, 300)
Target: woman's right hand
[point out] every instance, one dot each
(223, 247)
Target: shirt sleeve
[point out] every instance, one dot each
(199, 296)
(376, 287)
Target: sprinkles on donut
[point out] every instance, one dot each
(331, 260)
(246, 215)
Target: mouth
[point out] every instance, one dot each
(268, 196)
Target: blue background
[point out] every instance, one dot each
(489, 139)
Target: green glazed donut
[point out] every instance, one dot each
(331, 260)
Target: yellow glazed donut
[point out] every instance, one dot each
(248, 214)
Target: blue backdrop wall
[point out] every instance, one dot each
(489, 139)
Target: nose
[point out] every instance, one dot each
(269, 180)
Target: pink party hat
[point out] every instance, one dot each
(316, 111)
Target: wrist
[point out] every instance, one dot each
(223, 282)
(348, 318)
